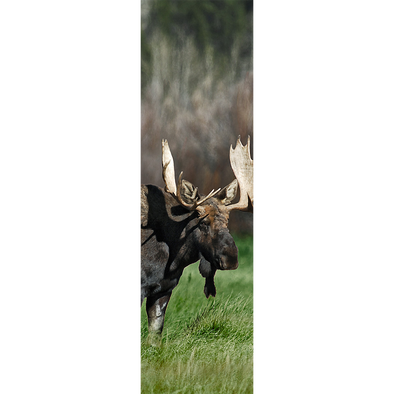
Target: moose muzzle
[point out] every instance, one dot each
(227, 258)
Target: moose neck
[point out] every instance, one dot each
(163, 218)
(181, 239)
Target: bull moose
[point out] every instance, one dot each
(179, 227)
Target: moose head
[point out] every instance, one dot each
(216, 245)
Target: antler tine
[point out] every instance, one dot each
(168, 167)
(211, 194)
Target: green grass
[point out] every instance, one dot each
(207, 345)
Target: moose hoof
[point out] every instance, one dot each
(154, 339)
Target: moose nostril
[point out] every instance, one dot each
(229, 263)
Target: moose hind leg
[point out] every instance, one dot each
(156, 308)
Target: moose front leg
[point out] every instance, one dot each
(156, 309)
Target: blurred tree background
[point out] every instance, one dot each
(196, 89)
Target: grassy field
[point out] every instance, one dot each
(207, 345)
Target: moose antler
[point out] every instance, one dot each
(169, 179)
(242, 166)
(168, 167)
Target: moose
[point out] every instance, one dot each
(179, 227)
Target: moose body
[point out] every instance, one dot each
(178, 228)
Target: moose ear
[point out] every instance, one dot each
(189, 192)
(227, 194)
